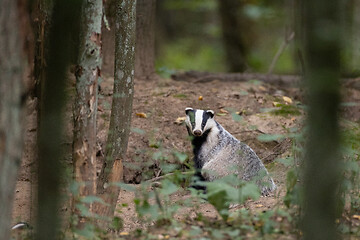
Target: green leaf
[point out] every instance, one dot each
(167, 187)
(84, 210)
(182, 157)
(287, 162)
(138, 130)
(250, 190)
(124, 186)
(270, 137)
(92, 199)
(117, 223)
(236, 117)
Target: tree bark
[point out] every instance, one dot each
(145, 39)
(232, 24)
(121, 105)
(44, 9)
(65, 16)
(87, 74)
(322, 45)
(11, 72)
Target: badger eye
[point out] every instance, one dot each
(203, 125)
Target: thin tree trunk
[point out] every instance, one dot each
(121, 105)
(232, 24)
(145, 39)
(355, 39)
(322, 159)
(41, 47)
(65, 16)
(87, 74)
(11, 72)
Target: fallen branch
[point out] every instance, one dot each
(202, 77)
(166, 175)
(276, 79)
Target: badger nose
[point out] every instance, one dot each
(197, 133)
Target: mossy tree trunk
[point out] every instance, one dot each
(121, 105)
(322, 159)
(64, 17)
(145, 39)
(87, 75)
(11, 131)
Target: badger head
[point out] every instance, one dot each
(199, 121)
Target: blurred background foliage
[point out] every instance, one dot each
(189, 36)
(193, 28)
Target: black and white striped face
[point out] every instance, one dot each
(198, 121)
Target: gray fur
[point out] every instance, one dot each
(220, 154)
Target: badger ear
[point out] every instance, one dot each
(211, 113)
(187, 110)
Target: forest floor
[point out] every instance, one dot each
(245, 109)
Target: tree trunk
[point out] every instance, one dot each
(145, 39)
(11, 72)
(65, 16)
(233, 25)
(355, 39)
(41, 47)
(87, 74)
(322, 159)
(121, 105)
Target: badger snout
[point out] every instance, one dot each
(197, 133)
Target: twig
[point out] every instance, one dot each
(166, 175)
(280, 51)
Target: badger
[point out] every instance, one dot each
(217, 153)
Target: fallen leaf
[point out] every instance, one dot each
(141, 115)
(262, 88)
(259, 205)
(356, 217)
(223, 111)
(287, 100)
(276, 104)
(180, 120)
(123, 233)
(200, 98)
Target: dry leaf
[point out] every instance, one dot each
(287, 100)
(259, 205)
(276, 104)
(200, 98)
(223, 111)
(356, 217)
(180, 120)
(262, 88)
(123, 233)
(141, 115)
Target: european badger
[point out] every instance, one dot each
(217, 153)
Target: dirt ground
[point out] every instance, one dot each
(163, 102)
